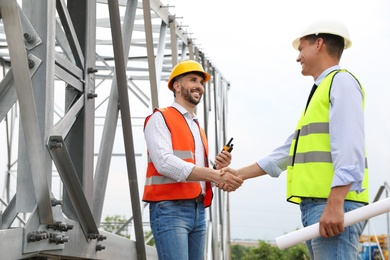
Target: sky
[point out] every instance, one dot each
(250, 43)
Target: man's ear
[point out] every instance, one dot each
(320, 43)
(176, 86)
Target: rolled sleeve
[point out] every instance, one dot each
(276, 162)
(270, 167)
(346, 175)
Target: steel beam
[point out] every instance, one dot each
(29, 117)
(150, 51)
(69, 177)
(108, 136)
(66, 47)
(121, 79)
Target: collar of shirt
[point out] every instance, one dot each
(184, 112)
(326, 72)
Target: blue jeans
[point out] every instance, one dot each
(341, 247)
(179, 229)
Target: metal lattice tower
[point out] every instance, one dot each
(79, 77)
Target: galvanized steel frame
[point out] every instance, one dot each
(51, 43)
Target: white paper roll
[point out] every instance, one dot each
(350, 218)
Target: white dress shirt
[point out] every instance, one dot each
(159, 143)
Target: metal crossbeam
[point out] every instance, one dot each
(74, 73)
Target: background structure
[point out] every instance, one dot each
(79, 77)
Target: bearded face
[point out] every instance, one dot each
(192, 96)
(191, 88)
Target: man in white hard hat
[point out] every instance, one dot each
(325, 156)
(178, 178)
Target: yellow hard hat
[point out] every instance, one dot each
(184, 67)
(326, 26)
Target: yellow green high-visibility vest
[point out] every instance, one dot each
(310, 168)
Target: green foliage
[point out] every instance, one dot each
(266, 251)
(238, 252)
(297, 252)
(113, 223)
(147, 235)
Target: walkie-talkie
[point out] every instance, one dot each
(228, 147)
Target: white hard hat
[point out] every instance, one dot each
(326, 26)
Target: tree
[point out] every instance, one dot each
(266, 251)
(297, 252)
(238, 251)
(113, 223)
(147, 235)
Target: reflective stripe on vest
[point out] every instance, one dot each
(310, 159)
(185, 155)
(159, 187)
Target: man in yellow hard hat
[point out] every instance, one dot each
(178, 179)
(325, 156)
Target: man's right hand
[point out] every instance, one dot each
(229, 180)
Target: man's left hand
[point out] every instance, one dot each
(223, 159)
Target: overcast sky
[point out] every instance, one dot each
(250, 43)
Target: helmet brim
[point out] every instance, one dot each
(207, 77)
(296, 42)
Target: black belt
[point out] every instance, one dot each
(199, 199)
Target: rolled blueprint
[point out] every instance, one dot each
(350, 218)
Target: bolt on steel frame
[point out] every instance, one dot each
(79, 77)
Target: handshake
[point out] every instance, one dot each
(229, 180)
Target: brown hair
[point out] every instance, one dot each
(177, 78)
(334, 43)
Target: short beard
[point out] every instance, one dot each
(187, 96)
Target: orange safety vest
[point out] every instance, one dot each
(159, 187)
